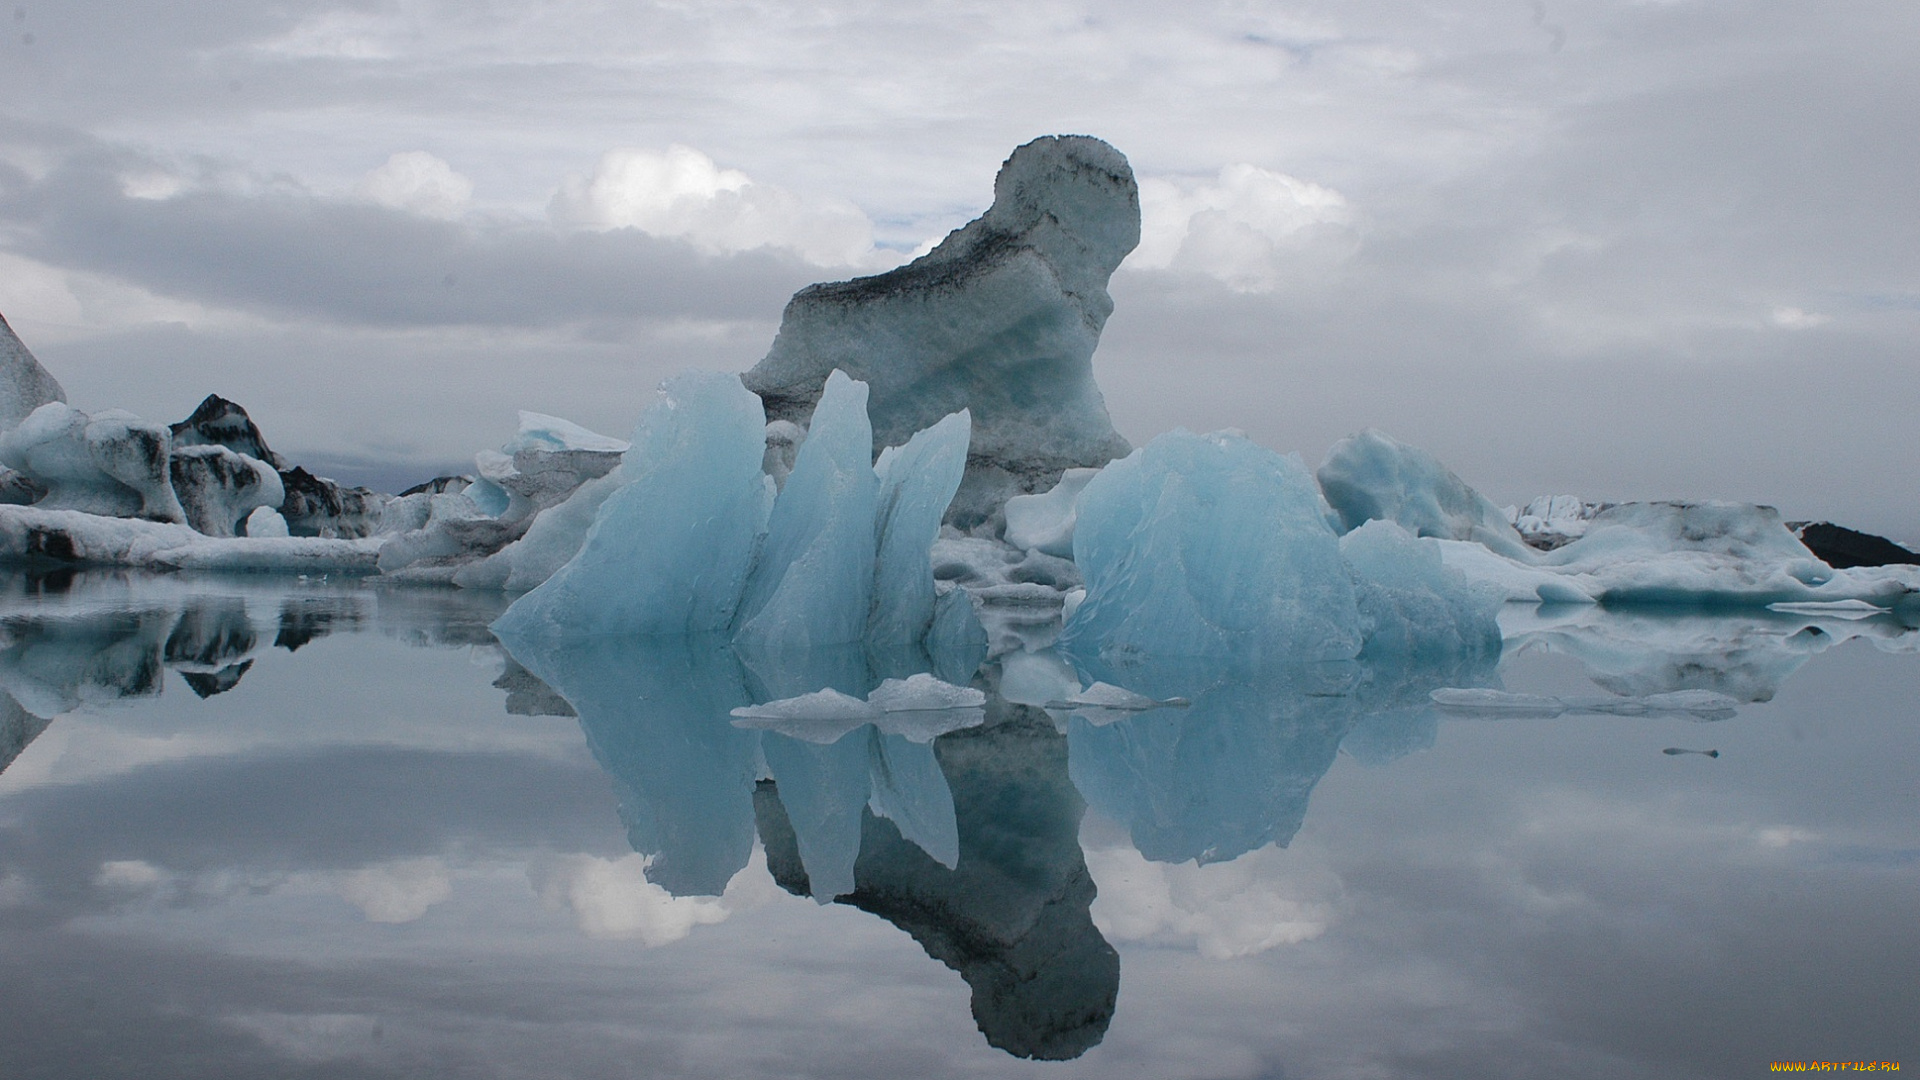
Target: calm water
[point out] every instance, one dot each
(288, 829)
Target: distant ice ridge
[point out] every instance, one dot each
(1000, 319)
(695, 540)
(1628, 553)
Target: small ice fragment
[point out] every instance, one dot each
(919, 693)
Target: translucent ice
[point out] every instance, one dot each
(1411, 603)
(917, 481)
(1208, 545)
(669, 552)
(813, 582)
(1372, 476)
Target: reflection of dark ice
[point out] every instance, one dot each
(1011, 912)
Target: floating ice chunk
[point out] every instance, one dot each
(823, 717)
(545, 462)
(218, 488)
(1045, 522)
(24, 384)
(550, 541)
(1550, 521)
(265, 521)
(917, 481)
(1695, 704)
(919, 708)
(923, 693)
(1371, 476)
(1103, 703)
(29, 534)
(669, 552)
(1839, 609)
(456, 532)
(538, 431)
(1035, 678)
(111, 463)
(1411, 603)
(219, 422)
(1108, 696)
(1208, 545)
(813, 582)
(317, 506)
(1724, 553)
(1002, 318)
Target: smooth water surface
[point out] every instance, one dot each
(252, 827)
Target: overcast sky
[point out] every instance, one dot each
(1620, 249)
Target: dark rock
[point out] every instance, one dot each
(219, 422)
(1841, 547)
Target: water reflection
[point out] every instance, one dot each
(970, 843)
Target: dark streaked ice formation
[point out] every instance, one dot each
(1000, 319)
(1012, 915)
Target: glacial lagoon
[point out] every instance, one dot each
(268, 826)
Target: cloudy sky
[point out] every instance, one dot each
(1618, 248)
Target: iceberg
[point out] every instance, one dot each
(1209, 545)
(1372, 476)
(219, 489)
(1001, 319)
(24, 384)
(219, 422)
(1413, 605)
(111, 463)
(813, 582)
(917, 482)
(1044, 522)
(669, 552)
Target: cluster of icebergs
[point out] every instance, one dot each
(920, 453)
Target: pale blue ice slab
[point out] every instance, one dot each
(1209, 545)
(813, 583)
(917, 481)
(669, 552)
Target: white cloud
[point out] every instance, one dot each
(612, 898)
(396, 892)
(681, 192)
(1793, 318)
(128, 874)
(1263, 899)
(1251, 228)
(418, 182)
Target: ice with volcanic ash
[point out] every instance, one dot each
(1001, 319)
